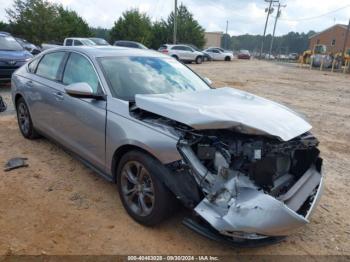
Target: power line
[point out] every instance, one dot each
(314, 17)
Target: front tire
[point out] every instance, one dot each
(24, 119)
(227, 58)
(143, 195)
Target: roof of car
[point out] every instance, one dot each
(108, 51)
(77, 38)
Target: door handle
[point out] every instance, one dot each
(58, 95)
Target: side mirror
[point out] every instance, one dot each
(208, 81)
(82, 90)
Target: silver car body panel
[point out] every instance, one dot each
(241, 207)
(227, 108)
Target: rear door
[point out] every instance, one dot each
(81, 122)
(41, 92)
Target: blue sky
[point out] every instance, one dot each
(244, 16)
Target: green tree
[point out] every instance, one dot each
(101, 33)
(41, 21)
(160, 34)
(188, 29)
(133, 26)
(34, 20)
(70, 24)
(5, 27)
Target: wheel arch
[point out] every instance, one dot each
(119, 152)
(17, 97)
(175, 56)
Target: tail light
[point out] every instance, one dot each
(165, 51)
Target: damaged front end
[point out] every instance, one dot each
(250, 168)
(253, 186)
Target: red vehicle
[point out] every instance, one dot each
(243, 54)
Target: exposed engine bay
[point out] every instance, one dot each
(253, 184)
(244, 185)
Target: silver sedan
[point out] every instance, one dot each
(247, 168)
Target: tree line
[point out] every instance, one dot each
(292, 42)
(41, 21)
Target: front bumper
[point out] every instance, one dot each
(6, 72)
(253, 214)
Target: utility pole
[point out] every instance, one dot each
(175, 22)
(226, 36)
(274, 28)
(269, 11)
(345, 41)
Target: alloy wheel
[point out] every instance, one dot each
(137, 188)
(23, 117)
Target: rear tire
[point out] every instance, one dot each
(146, 199)
(199, 60)
(24, 119)
(176, 57)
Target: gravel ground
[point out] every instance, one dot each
(58, 206)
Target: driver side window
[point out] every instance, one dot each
(79, 69)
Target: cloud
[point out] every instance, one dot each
(244, 16)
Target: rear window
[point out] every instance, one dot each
(69, 42)
(49, 65)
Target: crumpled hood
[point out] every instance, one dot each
(226, 108)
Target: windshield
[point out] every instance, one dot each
(129, 76)
(99, 41)
(8, 43)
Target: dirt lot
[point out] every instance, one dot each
(57, 206)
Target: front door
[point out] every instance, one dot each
(81, 123)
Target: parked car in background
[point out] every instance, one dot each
(183, 53)
(78, 41)
(293, 56)
(130, 44)
(270, 57)
(219, 54)
(12, 55)
(282, 57)
(49, 45)
(243, 54)
(206, 57)
(247, 168)
(33, 49)
(70, 41)
(99, 41)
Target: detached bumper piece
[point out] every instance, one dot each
(209, 232)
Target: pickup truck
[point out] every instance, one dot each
(71, 41)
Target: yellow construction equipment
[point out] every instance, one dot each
(305, 58)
